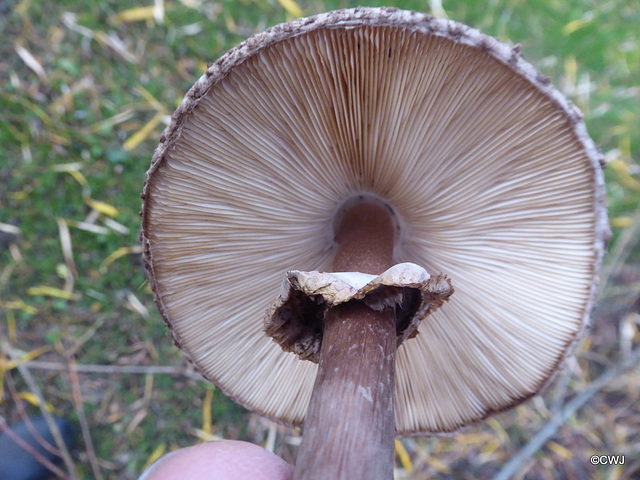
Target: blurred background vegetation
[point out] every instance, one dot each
(85, 91)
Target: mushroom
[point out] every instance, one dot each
(385, 144)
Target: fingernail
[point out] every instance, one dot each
(146, 475)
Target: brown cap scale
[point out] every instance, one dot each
(485, 171)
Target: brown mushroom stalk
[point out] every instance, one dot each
(365, 236)
(350, 426)
(351, 322)
(352, 401)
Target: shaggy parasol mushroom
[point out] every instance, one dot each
(361, 140)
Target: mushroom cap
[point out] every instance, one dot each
(489, 171)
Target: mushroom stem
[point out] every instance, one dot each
(350, 427)
(365, 240)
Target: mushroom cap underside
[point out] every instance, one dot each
(488, 170)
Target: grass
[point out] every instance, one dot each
(86, 91)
